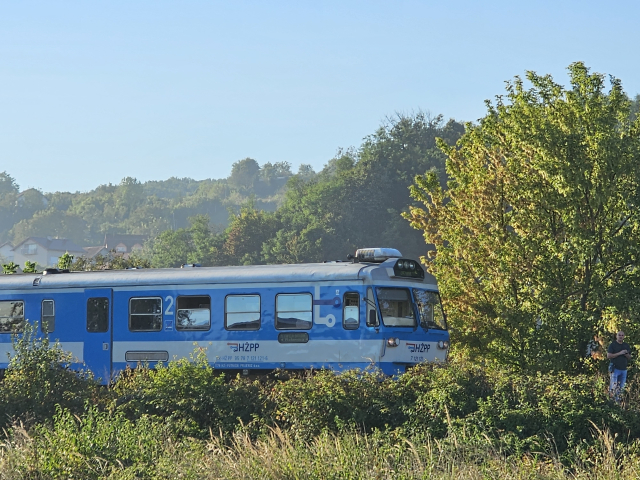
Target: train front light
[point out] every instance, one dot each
(393, 342)
(443, 344)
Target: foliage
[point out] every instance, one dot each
(357, 199)
(196, 244)
(65, 261)
(8, 184)
(9, 268)
(112, 261)
(244, 173)
(39, 378)
(105, 447)
(326, 402)
(97, 445)
(190, 396)
(50, 222)
(537, 235)
(29, 267)
(246, 234)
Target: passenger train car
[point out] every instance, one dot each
(379, 309)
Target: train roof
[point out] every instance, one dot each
(286, 273)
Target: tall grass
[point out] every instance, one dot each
(184, 420)
(352, 456)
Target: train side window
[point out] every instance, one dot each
(97, 314)
(351, 311)
(145, 314)
(294, 311)
(11, 316)
(372, 314)
(242, 312)
(48, 317)
(194, 313)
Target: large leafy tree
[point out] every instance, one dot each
(357, 199)
(537, 236)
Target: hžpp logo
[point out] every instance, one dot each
(243, 347)
(418, 347)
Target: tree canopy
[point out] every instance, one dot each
(537, 234)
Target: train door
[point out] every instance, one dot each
(97, 345)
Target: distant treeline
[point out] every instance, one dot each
(260, 213)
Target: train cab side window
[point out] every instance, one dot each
(194, 313)
(430, 310)
(351, 311)
(11, 316)
(145, 314)
(372, 313)
(294, 311)
(97, 315)
(48, 317)
(242, 312)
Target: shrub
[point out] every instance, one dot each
(436, 395)
(328, 402)
(39, 378)
(190, 395)
(96, 445)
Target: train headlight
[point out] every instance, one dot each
(393, 342)
(408, 268)
(443, 344)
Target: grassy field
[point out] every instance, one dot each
(185, 420)
(327, 456)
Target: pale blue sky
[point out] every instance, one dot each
(91, 92)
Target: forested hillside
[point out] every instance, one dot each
(137, 208)
(260, 213)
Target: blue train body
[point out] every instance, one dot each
(334, 315)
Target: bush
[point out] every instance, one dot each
(436, 395)
(190, 396)
(95, 446)
(328, 402)
(524, 410)
(39, 378)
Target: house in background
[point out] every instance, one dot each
(44, 251)
(117, 244)
(6, 252)
(93, 252)
(124, 244)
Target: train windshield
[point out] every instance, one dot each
(395, 307)
(429, 309)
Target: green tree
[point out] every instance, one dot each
(205, 244)
(537, 235)
(170, 249)
(30, 267)
(65, 261)
(51, 222)
(358, 197)
(8, 184)
(9, 268)
(244, 173)
(246, 234)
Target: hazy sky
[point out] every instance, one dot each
(94, 91)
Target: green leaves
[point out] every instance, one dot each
(9, 268)
(538, 230)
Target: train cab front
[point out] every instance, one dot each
(405, 308)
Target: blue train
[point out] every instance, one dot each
(379, 309)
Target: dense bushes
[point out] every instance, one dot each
(184, 404)
(190, 396)
(39, 380)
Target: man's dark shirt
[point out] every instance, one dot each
(619, 363)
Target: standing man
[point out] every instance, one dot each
(619, 354)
